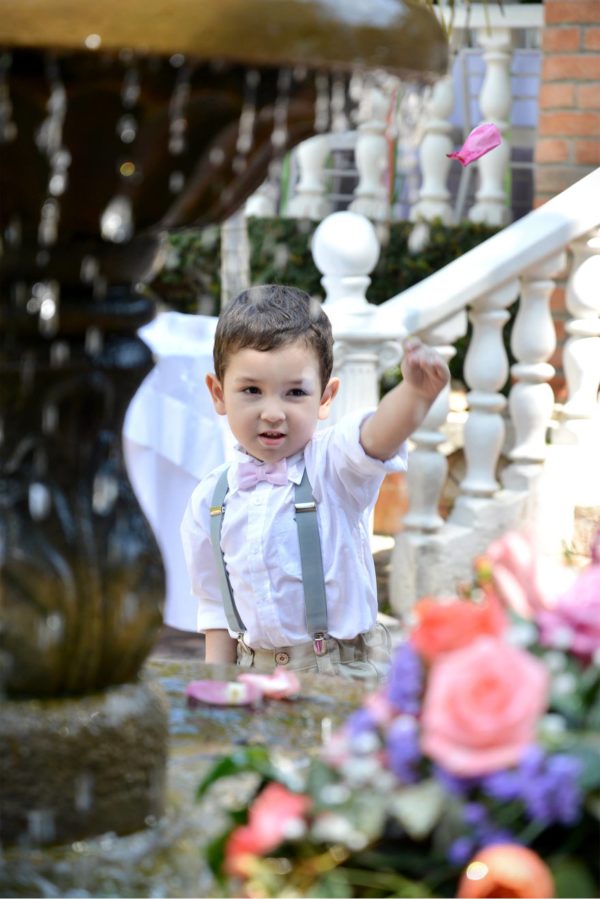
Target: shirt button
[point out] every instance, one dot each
(282, 658)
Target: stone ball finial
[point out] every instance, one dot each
(345, 244)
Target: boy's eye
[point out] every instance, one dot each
(253, 391)
(296, 391)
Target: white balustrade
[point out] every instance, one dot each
(531, 399)
(371, 154)
(309, 200)
(428, 467)
(434, 196)
(235, 257)
(486, 371)
(345, 249)
(263, 202)
(495, 103)
(580, 416)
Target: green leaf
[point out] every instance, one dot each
(418, 808)
(251, 758)
(572, 880)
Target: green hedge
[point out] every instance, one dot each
(280, 253)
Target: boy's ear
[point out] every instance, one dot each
(215, 389)
(327, 398)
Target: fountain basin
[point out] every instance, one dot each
(166, 858)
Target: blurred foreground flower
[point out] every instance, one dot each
(473, 771)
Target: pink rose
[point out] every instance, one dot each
(272, 813)
(481, 706)
(574, 622)
(479, 142)
(524, 580)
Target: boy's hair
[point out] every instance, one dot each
(269, 316)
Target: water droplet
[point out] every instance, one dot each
(116, 222)
(177, 60)
(127, 129)
(130, 607)
(216, 156)
(50, 630)
(105, 493)
(176, 182)
(94, 341)
(49, 418)
(60, 352)
(93, 41)
(40, 825)
(89, 269)
(48, 227)
(321, 102)
(127, 169)
(42, 258)
(13, 232)
(84, 792)
(57, 184)
(130, 92)
(39, 501)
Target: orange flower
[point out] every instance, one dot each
(444, 625)
(506, 870)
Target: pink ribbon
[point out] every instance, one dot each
(479, 142)
(250, 473)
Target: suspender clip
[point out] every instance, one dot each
(320, 644)
(216, 510)
(305, 507)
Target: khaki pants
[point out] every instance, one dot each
(365, 657)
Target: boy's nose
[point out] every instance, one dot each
(272, 412)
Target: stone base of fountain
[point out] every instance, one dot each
(77, 767)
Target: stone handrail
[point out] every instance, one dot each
(521, 262)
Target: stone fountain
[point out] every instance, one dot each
(120, 119)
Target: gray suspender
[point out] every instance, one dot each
(311, 560)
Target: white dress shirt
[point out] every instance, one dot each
(260, 541)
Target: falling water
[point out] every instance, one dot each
(178, 123)
(8, 129)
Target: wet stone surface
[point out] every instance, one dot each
(166, 859)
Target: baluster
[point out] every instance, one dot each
(371, 194)
(531, 399)
(580, 416)
(309, 200)
(263, 202)
(345, 249)
(495, 104)
(428, 467)
(486, 370)
(434, 196)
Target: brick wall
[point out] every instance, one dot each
(568, 143)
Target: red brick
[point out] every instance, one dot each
(555, 96)
(560, 124)
(559, 11)
(552, 179)
(587, 96)
(557, 299)
(561, 39)
(578, 66)
(552, 150)
(592, 38)
(587, 152)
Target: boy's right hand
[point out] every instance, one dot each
(424, 369)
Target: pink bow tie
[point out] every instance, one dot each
(250, 473)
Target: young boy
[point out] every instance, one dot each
(277, 542)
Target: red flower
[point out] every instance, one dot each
(506, 870)
(269, 820)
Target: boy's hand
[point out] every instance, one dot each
(424, 369)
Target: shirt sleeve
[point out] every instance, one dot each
(198, 553)
(347, 469)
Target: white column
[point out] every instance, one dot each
(434, 196)
(371, 154)
(309, 200)
(580, 416)
(428, 467)
(235, 257)
(495, 100)
(345, 249)
(263, 202)
(486, 370)
(531, 399)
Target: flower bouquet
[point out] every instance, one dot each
(473, 771)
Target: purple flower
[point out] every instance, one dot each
(360, 722)
(454, 785)
(405, 680)
(502, 785)
(461, 850)
(403, 748)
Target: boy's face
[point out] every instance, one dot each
(273, 399)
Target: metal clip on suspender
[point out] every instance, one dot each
(311, 561)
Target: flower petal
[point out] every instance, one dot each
(281, 684)
(479, 142)
(214, 692)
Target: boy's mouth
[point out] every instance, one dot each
(271, 436)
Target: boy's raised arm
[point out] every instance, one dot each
(402, 410)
